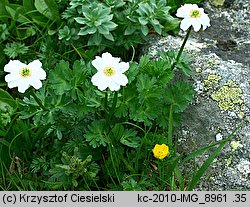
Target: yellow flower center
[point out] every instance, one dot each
(109, 71)
(25, 72)
(160, 151)
(195, 14)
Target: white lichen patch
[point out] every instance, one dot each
(244, 167)
(229, 97)
(218, 137)
(199, 87)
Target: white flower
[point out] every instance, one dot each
(193, 16)
(110, 72)
(23, 76)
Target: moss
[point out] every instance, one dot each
(235, 145)
(217, 2)
(212, 81)
(229, 97)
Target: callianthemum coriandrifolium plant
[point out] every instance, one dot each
(106, 121)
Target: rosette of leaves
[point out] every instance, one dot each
(122, 23)
(67, 34)
(152, 14)
(97, 22)
(72, 171)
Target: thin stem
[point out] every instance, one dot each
(112, 110)
(133, 55)
(172, 184)
(113, 163)
(106, 101)
(38, 100)
(170, 126)
(181, 49)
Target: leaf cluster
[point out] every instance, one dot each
(121, 23)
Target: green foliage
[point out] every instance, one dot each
(4, 32)
(121, 23)
(97, 21)
(66, 175)
(179, 96)
(68, 135)
(8, 107)
(48, 8)
(96, 134)
(13, 50)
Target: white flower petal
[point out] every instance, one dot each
(114, 86)
(111, 80)
(122, 67)
(100, 81)
(13, 84)
(196, 25)
(35, 83)
(14, 66)
(15, 79)
(23, 85)
(22, 88)
(109, 60)
(106, 60)
(205, 21)
(185, 12)
(35, 64)
(12, 77)
(38, 73)
(103, 84)
(120, 79)
(95, 78)
(185, 24)
(98, 63)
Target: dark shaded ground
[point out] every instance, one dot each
(230, 30)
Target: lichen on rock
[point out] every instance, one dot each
(221, 78)
(229, 97)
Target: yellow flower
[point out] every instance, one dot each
(161, 151)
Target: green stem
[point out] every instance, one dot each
(106, 101)
(172, 184)
(113, 163)
(133, 55)
(181, 49)
(112, 110)
(38, 100)
(170, 126)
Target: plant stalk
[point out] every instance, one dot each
(170, 126)
(181, 49)
(112, 110)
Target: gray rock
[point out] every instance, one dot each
(221, 77)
